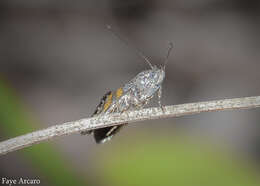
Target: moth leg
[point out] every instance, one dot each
(159, 93)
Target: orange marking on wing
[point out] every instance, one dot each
(108, 102)
(119, 92)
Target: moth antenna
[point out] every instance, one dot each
(168, 54)
(139, 52)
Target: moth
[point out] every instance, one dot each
(133, 95)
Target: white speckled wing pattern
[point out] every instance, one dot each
(133, 95)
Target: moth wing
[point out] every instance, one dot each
(104, 134)
(98, 110)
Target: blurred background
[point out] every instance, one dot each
(57, 59)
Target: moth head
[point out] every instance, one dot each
(157, 74)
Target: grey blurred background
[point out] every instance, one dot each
(60, 59)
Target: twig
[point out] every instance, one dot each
(128, 117)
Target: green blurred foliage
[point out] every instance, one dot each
(14, 121)
(172, 161)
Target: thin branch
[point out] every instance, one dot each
(127, 117)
